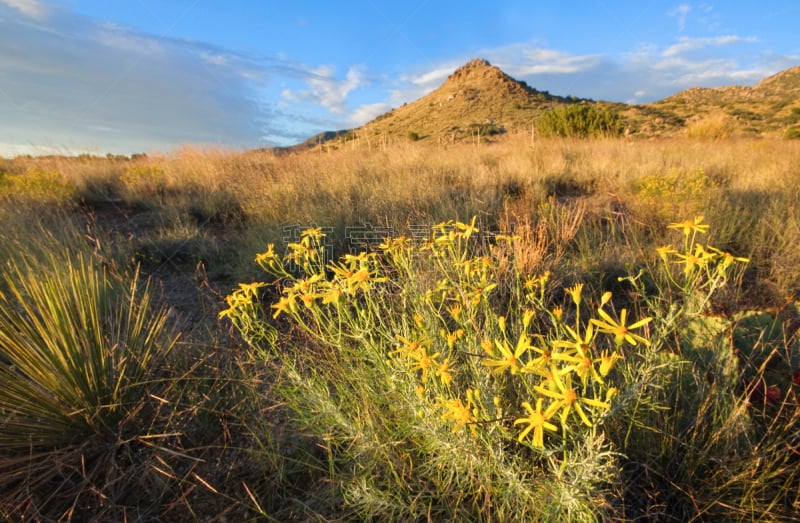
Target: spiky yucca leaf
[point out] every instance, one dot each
(76, 349)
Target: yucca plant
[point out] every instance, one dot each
(81, 356)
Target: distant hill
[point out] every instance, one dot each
(480, 102)
(771, 107)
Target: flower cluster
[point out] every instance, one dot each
(566, 367)
(562, 369)
(696, 270)
(432, 313)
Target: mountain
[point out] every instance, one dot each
(480, 102)
(476, 98)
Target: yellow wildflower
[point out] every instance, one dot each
(537, 422)
(579, 356)
(568, 400)
(578, 344)
(575, 292)
(699, 259)
(605, 298)
(410, 347)
(455, 311)
(392, 245)
(286, 305)
(467, 229)
(312, 233)
(607, 362)
(444, 372)
(456, 411)
(424, 362)
(727, 258)
(420, 391)
(234, 301)
(251, 289)
(536, 282)
(664, 252)
(268, 255)
(610, 393)
(619, 330)
(452, 337)
(510, 360)
(539, 365)
(501, 322)
(483, 288)
(308, 299)
(332, 295)
(689, 226)
(527, 316)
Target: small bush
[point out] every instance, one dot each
(37, 186)
(675, 193)
(486, 129)
(442, 382)
(793, 133)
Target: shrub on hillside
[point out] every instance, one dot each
(580, 121)
(792, 133)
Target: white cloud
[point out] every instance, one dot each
(127, 41)
(326, 90)
(215, 59)
(412, 86)
(680, 12)
(30, 8)
(548, 61)
(10, 150)
(367, 112)
(712, 72)
(525, 60)
(435, 77)
(689, 44)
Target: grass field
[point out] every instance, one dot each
(550, 330)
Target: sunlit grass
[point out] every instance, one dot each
(434, 414)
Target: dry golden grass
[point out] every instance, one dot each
(745, 188)
(589, 210)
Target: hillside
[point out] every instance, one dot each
(771, 107)
(480, 102)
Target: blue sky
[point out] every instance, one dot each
(127, 76)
